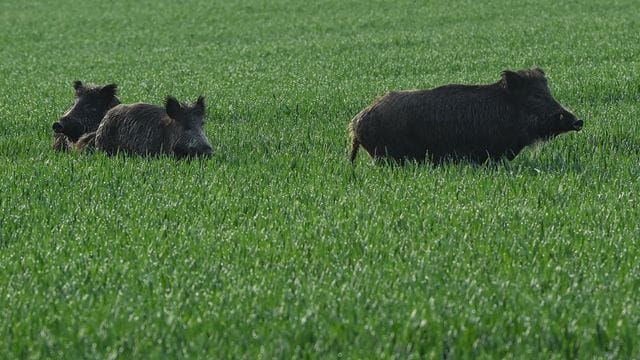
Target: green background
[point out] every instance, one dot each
(277, 246)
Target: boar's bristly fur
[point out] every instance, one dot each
(144, 129)
(462, 122)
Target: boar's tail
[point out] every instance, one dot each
(355, 143)
(87, 142)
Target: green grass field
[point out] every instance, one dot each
(278, 247)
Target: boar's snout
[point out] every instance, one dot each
(577, 125)
(207, 151)
(69, 127)
(58, 127)
(570, 121)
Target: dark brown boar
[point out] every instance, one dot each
(175, 129)
(462, 122)
(91, 104)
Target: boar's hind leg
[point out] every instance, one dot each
(405, 151)
(355, 145)
(383, 154)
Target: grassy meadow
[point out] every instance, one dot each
(277, 247)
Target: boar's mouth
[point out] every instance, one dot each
(569, 121)
(185, 153)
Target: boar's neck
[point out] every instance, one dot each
(529, 133)
(545, 129)
(172, 133)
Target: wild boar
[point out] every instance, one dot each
(91, 104)
(462, 122)
(175, 129)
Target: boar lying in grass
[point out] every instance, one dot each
(462, 122)
(91, 104)
(143, 129)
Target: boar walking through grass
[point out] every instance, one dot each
(142, 129)
(91, 104)
(462, 122)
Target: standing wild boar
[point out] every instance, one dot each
(91, 103)
(462, 122)
(143, 129)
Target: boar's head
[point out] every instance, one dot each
(90, 106)
(191, 139)
(529, 91)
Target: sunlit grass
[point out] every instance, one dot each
(277, 246)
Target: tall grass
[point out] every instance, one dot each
(277, 246)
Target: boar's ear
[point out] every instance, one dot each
(172, 107)
(511, 80)
(109, 91)
(539, 69)
(78, 87)
(199, 106)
